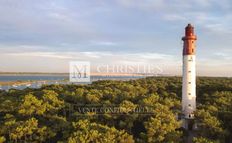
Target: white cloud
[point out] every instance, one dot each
(94, 55)
(225, 56)
(174, 17)
(40, 54)
(59, 16)
(154, 56)
(147, 5)
(58, 61)
(104, 43)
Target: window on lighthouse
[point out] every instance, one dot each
(190, 59)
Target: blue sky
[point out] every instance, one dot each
(44, 35)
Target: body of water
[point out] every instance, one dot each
(31, 77)
(36, 81)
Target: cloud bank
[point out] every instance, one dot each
(50, 33)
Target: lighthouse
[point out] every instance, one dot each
(189, 77)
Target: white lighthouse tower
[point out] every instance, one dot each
(189, 77)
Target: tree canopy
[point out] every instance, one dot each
(84, 113)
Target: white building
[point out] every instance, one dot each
(189, 77)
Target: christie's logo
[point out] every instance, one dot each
(79, 71)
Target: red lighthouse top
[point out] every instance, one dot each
(189, 33)
(189, 30)
(189, 39)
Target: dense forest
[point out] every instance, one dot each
(51, 113)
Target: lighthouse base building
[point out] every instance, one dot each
(189, 78)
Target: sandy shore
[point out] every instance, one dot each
(17, 83)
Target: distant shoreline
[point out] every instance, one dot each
(31, 73)
(67, 74)
(5, 83)
(95, 74)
